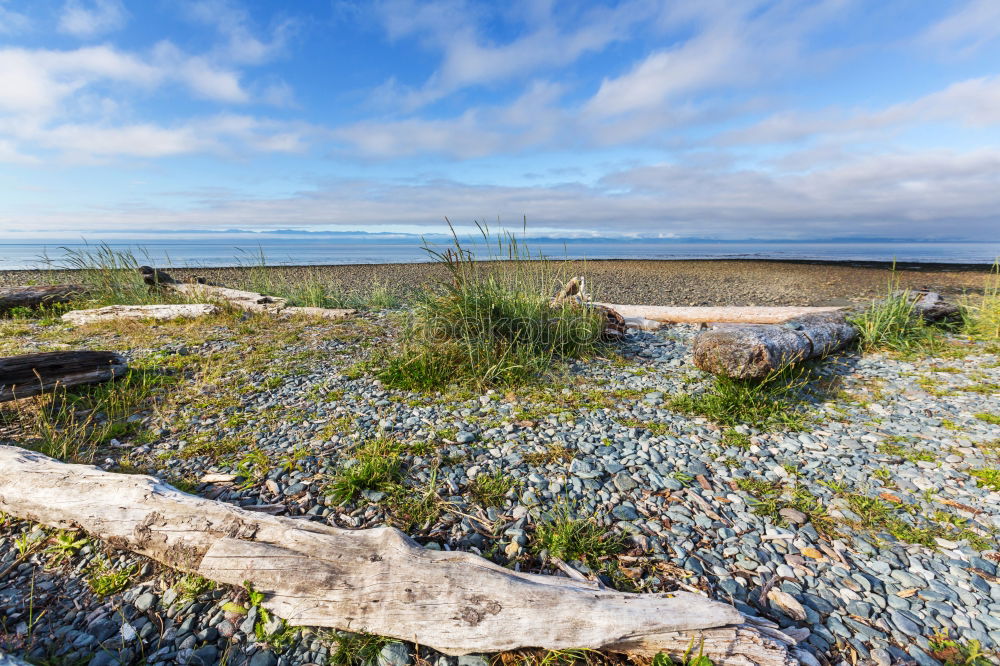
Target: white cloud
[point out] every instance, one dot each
(925, 193)
(233, 23)
(101, 16)
(12, 22)
(469, 59)
(972, 103)
(976, 23)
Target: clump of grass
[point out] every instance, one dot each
(490, 489)
(111, 276)
(72, 424)
(655, 429)
(772, 402)
(191, 586)
(357, 649)
(105, 580)
(488, 327)
(892, 322)
(770, 498)
(989, 477)
(377, 466)
(981, 314)
(737, 439)
(905, 452)
(992, 419)
(568, 537)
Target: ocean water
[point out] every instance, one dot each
(227, 251)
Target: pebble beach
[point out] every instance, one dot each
(874, 516)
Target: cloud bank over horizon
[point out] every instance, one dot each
(723, 118)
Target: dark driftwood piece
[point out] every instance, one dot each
(931, 307)
(375, 580)
(752, 351)
(30, 374)
(32, 296)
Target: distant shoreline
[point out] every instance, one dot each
(645, 281)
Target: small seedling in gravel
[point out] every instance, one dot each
(954, 653)
(64, 545)
(905, 452)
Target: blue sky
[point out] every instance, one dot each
(717, 118)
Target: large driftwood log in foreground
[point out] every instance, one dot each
(33, 296)
(705, 315)
(752, 351)
(374, 580)
(156, 312)
(30, 374)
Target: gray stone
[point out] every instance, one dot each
(264, 658)
(145, 601)
(394, 654)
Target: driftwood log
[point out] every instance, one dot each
(375, 580)
(30, 374)
(931, 306)
(723, 315)
(35, 295)
(155, 312)
(752, 351)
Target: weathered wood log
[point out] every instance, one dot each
(324, 313)
(250, 301)
(931, 306)
(375, 580)
(705, 315)
(31, 296)
(30, 374)
(156, 312)
(752, 351)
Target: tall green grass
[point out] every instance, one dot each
(490, 325)
(892, 322)
(310, 288)
(73, 424)
(111, 276)
(981, 313)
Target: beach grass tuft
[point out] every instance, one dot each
(489, 326)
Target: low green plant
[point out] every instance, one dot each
(562, 534)
(490, 489)
(905, 452)
(357, 649)
(376, 466)
(191, 586)
(687, 659)
(992, 419)
(988, 477)
(65, 545)
(955, 653)
(104, 580)
(737, 439)
(774, 402)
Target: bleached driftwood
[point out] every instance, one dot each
(574, 292)
(325, 313)
(724, 315)
(31, 296)
(250, 301)
(157, 312)
(30, 374)
(752, 351)
(375, 580)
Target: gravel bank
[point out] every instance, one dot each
(647, 282)
(899, 542)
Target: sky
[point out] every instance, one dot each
(719, 119)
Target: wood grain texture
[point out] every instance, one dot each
(753, 351)
(31, 296)
(244, 300)
(31, 374)
(729, 315)
(154, 312)
(375, 580)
